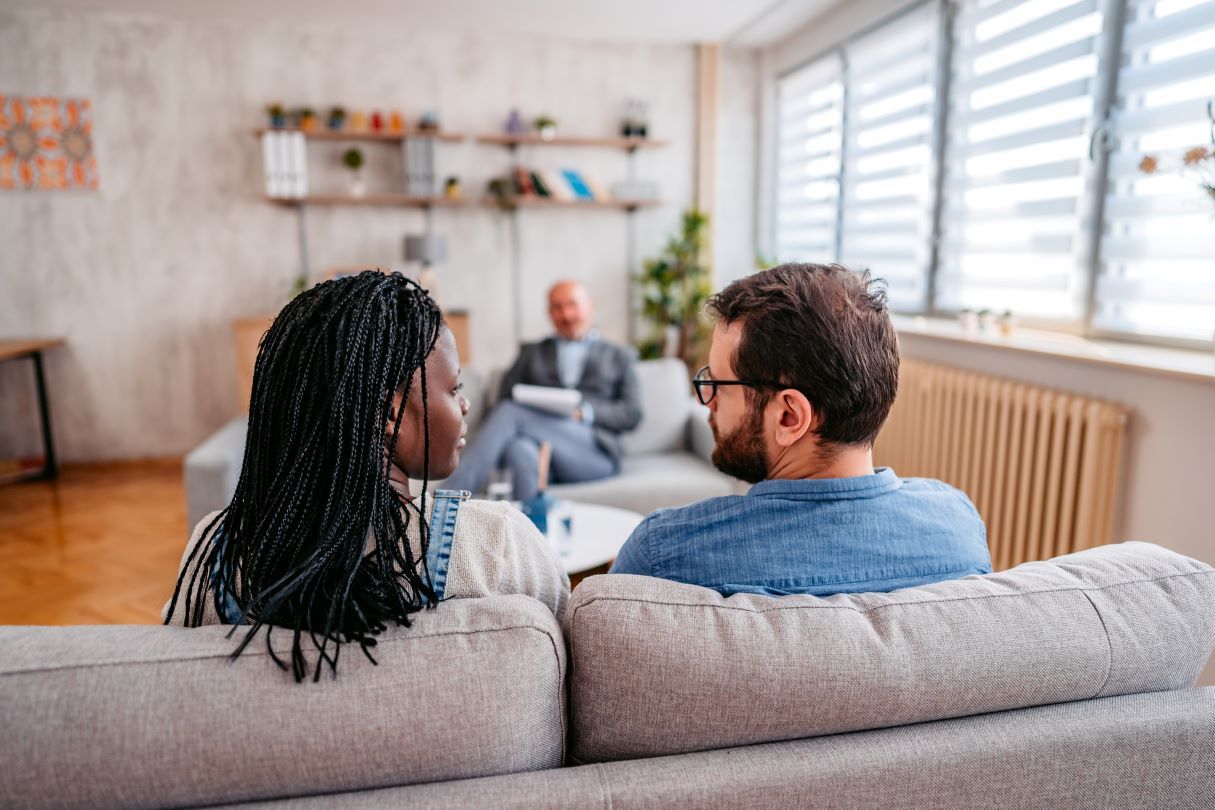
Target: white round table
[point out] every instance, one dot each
(594, 536)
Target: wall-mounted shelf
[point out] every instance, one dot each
(548, 202)
(389, 137)
(382, 200)
(532, 139)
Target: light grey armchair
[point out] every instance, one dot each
(666, 461)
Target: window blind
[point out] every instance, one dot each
(889, 171)
(1157, 258)
(810, 111)
(1022, 85)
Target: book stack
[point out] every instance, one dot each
(285, 164)
(562, 184)
(419, 166)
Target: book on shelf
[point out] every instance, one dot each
(539, 185)
(523, 182)
(558, 187)
(577, 184)
(598, 192)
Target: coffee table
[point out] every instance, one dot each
(595, 533)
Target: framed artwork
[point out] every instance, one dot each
(46, 144)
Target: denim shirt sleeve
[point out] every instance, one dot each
(634, 556)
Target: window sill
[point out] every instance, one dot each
(1179, 363)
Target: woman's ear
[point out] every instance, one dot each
(394, 409)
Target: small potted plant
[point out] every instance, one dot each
(352, 159)
(307, 119)
(337, 118)
(502, 191)
(546, 126)
(277, 115)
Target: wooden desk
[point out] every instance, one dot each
(16, 350)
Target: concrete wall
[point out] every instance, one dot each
(144, 276)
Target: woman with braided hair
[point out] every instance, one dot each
(355, 391)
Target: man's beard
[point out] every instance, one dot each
(742, 454)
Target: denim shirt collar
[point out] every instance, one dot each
(881, 482)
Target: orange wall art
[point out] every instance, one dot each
(46, 144)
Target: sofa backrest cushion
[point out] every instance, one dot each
(147, 716)
(660, 667)
(666, 401)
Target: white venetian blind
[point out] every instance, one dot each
(1157, 273)
(888, 188)
(810, 114)
(1021, 99)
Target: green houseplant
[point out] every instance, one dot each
(674, 287)
(353, 160)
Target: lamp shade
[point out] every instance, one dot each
(425, 248)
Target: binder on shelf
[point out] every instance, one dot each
(419, 156)
(299, 165)
(282, 157)
(270, 164)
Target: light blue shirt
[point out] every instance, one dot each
(571, 362)
(815, 536)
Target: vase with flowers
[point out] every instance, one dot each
(1197, 162)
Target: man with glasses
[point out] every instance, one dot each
(802, 372)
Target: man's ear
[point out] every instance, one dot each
(794, 416)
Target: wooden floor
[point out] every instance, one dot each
(100, 545)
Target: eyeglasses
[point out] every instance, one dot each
(702, 380)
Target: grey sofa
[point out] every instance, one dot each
(1063, 683)
(666, 461)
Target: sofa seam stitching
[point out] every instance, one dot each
(1109, 644)
(1083, 590)
(260, 654)
(604, 787)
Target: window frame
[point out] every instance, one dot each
(1095, 172)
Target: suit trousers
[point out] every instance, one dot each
(510, 438)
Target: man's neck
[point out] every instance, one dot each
(847, 463)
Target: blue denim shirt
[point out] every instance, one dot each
(815, 536)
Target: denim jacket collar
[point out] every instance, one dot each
(882, 481)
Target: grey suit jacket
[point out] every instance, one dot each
(609, 385)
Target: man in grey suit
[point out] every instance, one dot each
(586, 445)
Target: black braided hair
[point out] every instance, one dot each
(314, 539)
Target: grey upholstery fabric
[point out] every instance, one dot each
(211, 470)
(146, 716)
(652, 481)
(666, 401)
(660, 667)
(1148, 750)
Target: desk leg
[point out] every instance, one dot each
(50, 468)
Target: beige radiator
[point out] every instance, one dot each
(1041, 466)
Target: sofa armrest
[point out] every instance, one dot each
(700, 435)
(212, 470)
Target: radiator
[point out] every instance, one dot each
(1041, 466)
